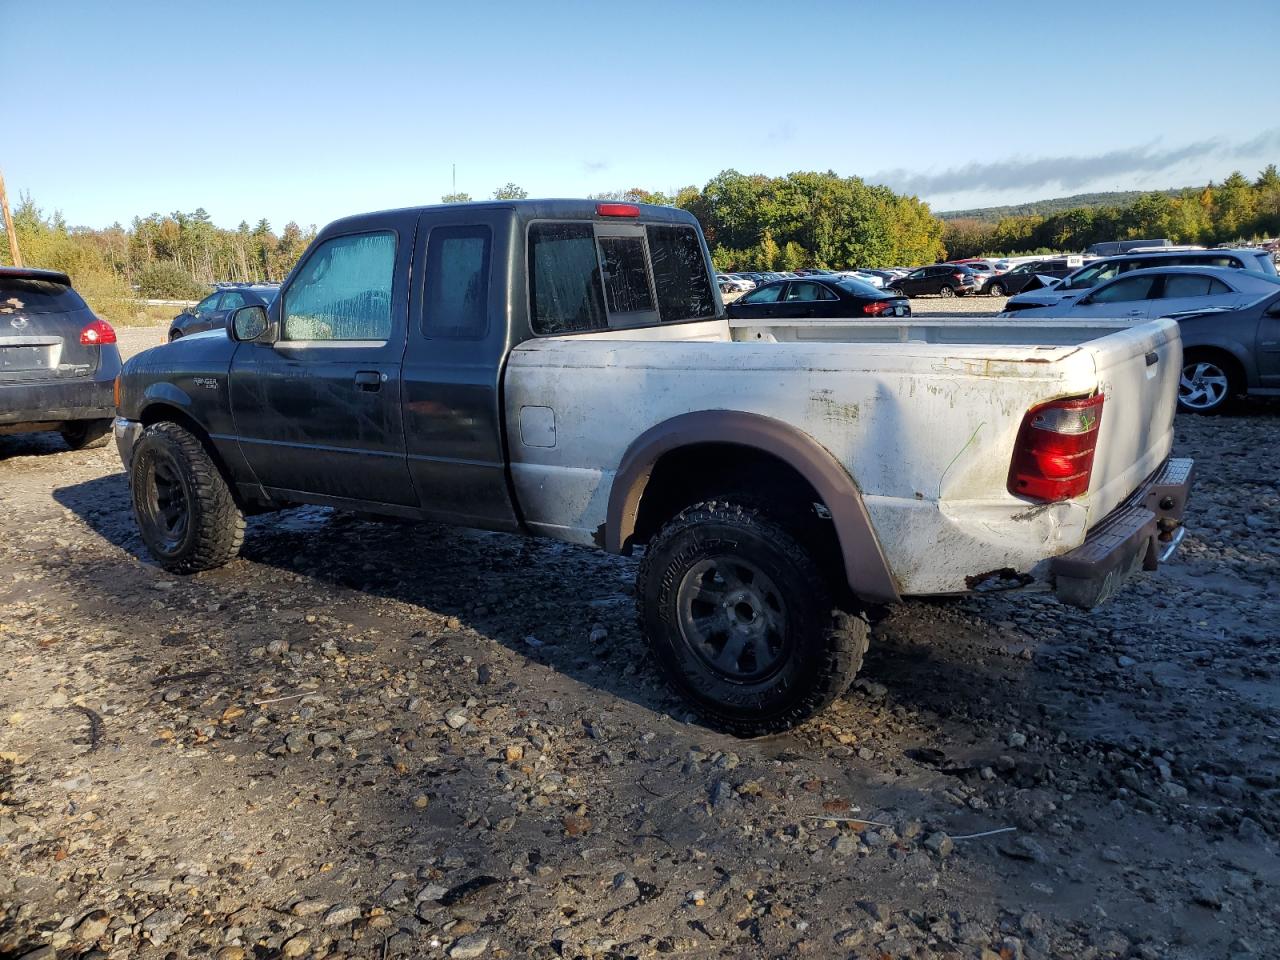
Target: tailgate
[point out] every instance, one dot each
(1138, 370)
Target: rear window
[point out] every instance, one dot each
(680, 274)
(858, 288)
(37, 296)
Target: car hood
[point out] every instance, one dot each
(203, 347)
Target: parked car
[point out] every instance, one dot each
(58, 362)
(1161, 291)
(1076, 283)
(564, 368)
(863, 276)
(818, 298)
(943, 279)
(729, 284)
(211, 312)
(1228, 352)
(1018, 277)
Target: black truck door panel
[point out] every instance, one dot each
(466, 268)
(318, 413)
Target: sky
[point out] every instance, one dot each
(308, 111)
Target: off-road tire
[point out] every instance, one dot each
(214, 529)
(83, 434)
(826, 645)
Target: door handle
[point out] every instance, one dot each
(369, 381)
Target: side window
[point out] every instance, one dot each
(807, 292)
(767, 294)
(1192, 285)
(455, 301)
(916, 274)
(343, 290)
(564, 279)
(680, 274)
(231, 300)
(626, 275)
(1125, 290)
(207, 305)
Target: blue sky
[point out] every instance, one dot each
(310, 110)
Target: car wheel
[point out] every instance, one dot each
(185, 511)
(742, 622)
(896, 291)
(996, 290)
(947, 292)
(81, 434)
(1207, 385)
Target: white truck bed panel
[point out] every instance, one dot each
(923, 416)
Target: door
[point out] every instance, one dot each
(1193, 291)
(1269, 344)
(206, 314)
(804, 299)
(317, 413)
(1127, 298)
(452, 374)
(913, 284)
(759, 304)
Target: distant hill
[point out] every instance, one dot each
(1044, 208)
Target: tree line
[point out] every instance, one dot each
(1235, 209)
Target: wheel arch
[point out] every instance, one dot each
(163, 409)
(865, 569)
(1234, 353)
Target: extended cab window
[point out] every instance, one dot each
(343, 290)
(456, 297)
(680, 274)
(564, 278)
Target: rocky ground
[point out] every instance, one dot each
(367, 740)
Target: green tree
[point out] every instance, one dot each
(510, 192)
(456, 198)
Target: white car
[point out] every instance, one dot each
(1158, 292)
(871, 279)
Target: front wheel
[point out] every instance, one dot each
(185, 511)
(896, 291)
(741, 620)
(82, 434)
(1206, 386)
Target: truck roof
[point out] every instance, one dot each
(550, 208)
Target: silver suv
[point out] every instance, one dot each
(1099, 271)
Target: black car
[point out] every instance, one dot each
(819, 298)
(211, 312)
(943, 279)
(1007, 284)
(58, 362)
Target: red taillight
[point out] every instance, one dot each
(876, 307)
(96, 333)
(1053, 459)
(957, 276)
(617, 210)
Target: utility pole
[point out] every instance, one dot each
(455, 179)
(10, 232)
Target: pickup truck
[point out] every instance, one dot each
(565, 368)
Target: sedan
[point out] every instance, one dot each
(1160, 291)
(211, 313)
(819, 298)
(58, 362)
(1227, 352)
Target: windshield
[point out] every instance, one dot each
(37, 296)
(1089, 277)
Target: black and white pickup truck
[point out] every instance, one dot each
(566, 369)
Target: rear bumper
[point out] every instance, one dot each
(43, 405)
(1141, 533)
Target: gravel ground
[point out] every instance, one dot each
(377, 740)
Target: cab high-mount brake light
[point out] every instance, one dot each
(1053, 459)
(97, 332)
(617, 210)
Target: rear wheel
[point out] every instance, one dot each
(996, 289)
(184, 508)
(741, 620)
(1207, 384)
(947, 291)
(80, 434)
(896, 291)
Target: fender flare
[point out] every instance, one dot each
(865, 565)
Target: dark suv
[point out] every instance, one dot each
(211, 312)
(944, 279)
(58, 362)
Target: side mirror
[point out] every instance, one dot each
(250, 325)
